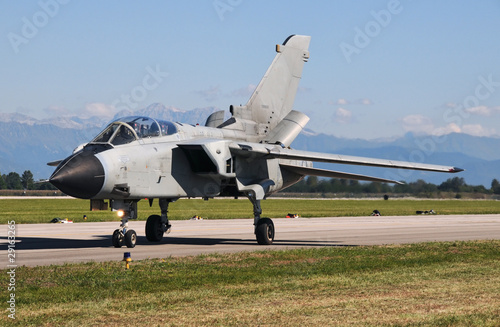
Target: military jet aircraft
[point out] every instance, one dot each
(247, 155)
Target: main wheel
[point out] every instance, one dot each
(117, 239)
(154, 230)
(130, 238)
(265, 231)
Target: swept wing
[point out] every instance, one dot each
(273, 151)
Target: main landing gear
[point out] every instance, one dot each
(156, 225)
(264, 227)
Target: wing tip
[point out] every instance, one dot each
(455, 170)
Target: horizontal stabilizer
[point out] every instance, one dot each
(309, 171)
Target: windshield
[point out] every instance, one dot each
(128, 129)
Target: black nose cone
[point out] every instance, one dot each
(80, 175)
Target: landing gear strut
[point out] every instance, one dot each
(156, 225)
(264, 227)
(123, 234)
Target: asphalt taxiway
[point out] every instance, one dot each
(46, 244)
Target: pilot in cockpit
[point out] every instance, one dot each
(124, 136)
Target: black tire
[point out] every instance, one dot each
(130, 238)
(154, 230)
(264, 231)
(117, 239)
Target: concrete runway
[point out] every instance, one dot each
(45, 244)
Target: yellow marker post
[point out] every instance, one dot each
(127, 259)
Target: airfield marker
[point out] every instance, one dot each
(127, 258)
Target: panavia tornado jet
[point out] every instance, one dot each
(248, 155)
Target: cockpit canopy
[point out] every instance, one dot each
(127, 129)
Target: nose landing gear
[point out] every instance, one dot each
(124, 235)
(127, 210)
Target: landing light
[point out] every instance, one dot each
(120, 213)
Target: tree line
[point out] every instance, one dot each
(313, 184)
(14, 181)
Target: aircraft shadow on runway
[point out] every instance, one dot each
(104, 241)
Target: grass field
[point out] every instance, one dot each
(45, 209)
(432, 284)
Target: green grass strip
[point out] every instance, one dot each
(44, 210)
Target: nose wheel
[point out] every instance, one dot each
(119, 238)
(130, 238)
(123, 234)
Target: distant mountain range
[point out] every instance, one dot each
(27, 143)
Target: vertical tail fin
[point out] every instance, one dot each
(273, 98)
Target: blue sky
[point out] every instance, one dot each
(377, 69)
